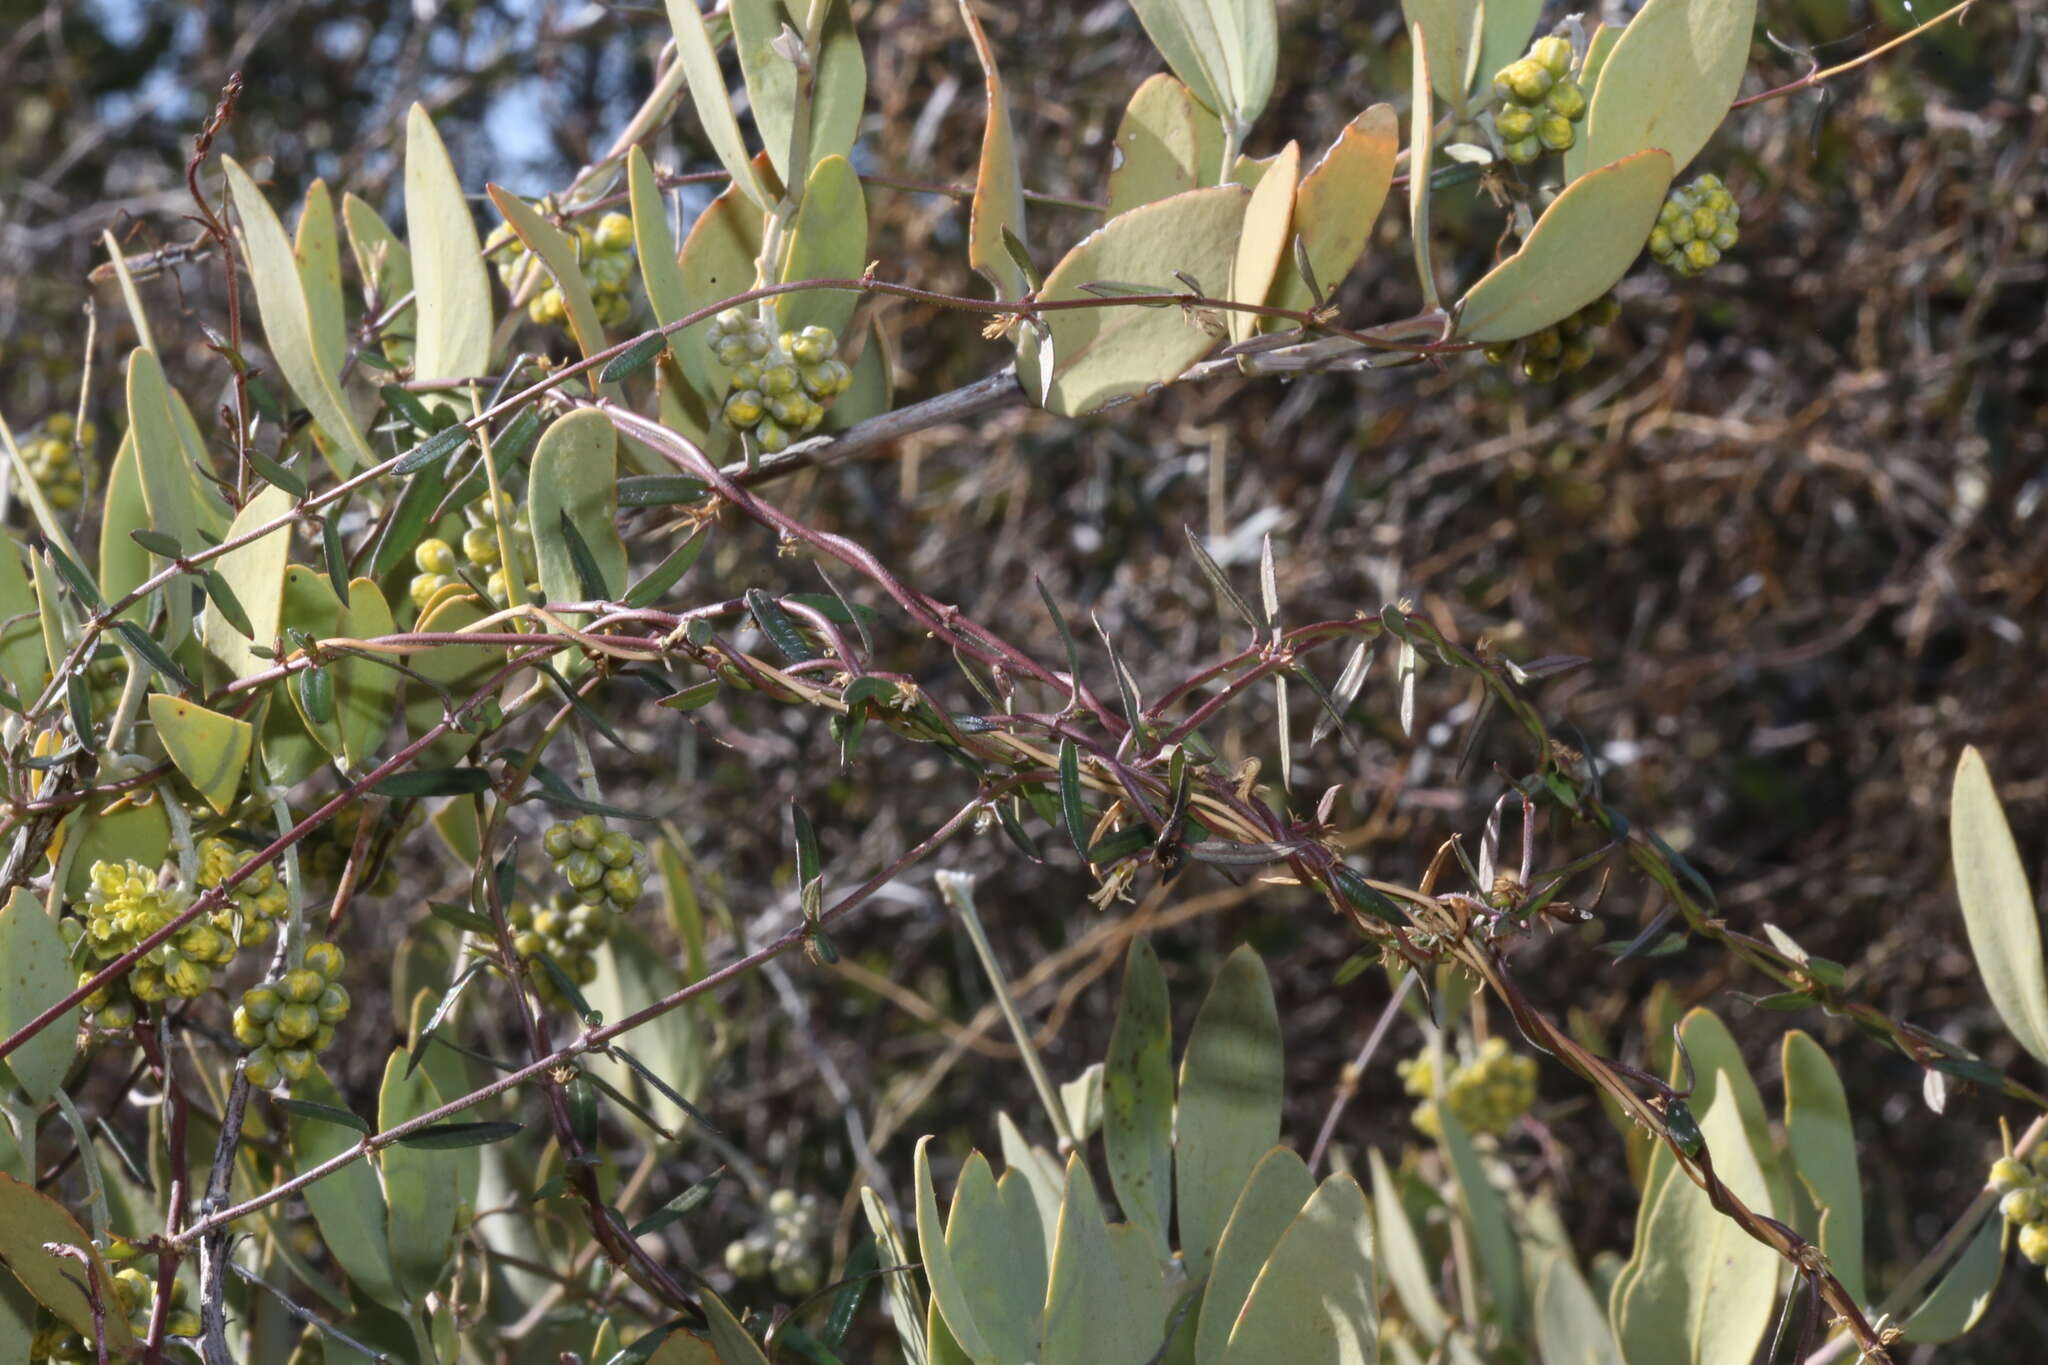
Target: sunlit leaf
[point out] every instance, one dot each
(714, 106)
(1998, 908)
(998, 204)
(1400, 1255)
(35, 973)
(1451, 31)
(318, 251)
(452, 289)
(1267, 230)
(557, 253)
(828, 240)
(30, 1220)
(1336, 206)
(1315, 1302)
(1229, 1106)
(575, 474)
(1821, 1144)
(1279, 1186)
(1571, 1325)
(1669, 80)
(211, 750)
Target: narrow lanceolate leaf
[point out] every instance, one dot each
(1571, 1324)
(34, 974)
(326, 1113)
(1229, 1111)
(1315, 1302)
(1584, 242)
(634, 358)
(1345, 692)
(1279, 1186)
(557, 252)
(776, 625)
(1400, 1254)
(443, 1136)
(154, 655)
(949, 1294)
(1998, 909)
(714, 106)
(1137, 1097)
(1486, 1215)
(433, 450)
(1220, 581)
(288, 322)
(998, 206)
(1072, 811)
(1822, 1144)
(1669, 80)
(451, 288)
(318, 250)
(653, 243)
(169, 482)
(1421, 151)
(211, 750)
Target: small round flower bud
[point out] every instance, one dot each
(622, 887)
(333, 1004)
(2033, 1242)
(558, 842)
(1530, 80)
(262, 1001)
(302, 986)
(586, 830)
(248, 1031)
(2023, 1205)
(296, 1063)
(1553, 53)
(1538, 369)
(1555, 132)
(434, 555)
(771, 437)
(582, 869)
(296, 1022)
(1524, 151)
(261, 1068)
(1515, 123)
(2008, 1174)
(614, 232)
(1567, 99)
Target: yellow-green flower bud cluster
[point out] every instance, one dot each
(786, 1248)
(258, 901)
(287, 1020)
(478, 548)
(134, 1298)
(605, 253)
(565, 929)
(2022, 1187)
(1540, 104)
(601, 866)
(58, 471)
(780, 385)
(125, 905)
(1696, 223)
(1562, 347)
(1486, 1093)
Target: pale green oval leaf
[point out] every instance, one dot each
(1336, 206)
(828, 240)
(1400, 1254)
(1669, 80)
(1039, 1170)
(718, 261)
(652, 240)
(575, 472)
(28, 1220)
(35, 973)
(1280, 1185)
(1102, 354)
(1089, 1320)
(1584, 242)
(1451, 30)
(165, 474)
(1506, 27)
(998, 1255)
(675, 1046)
(452, 290)
(1264, 239)
(318, 250)
(255, 574)
(1137, 1096)
(211, 750)
(1822, 1148)
(731, 1341)
(873, 390)
(385, 267)
(949, 1291)
(124, 565)
(288, 325)
(556, 251)
(839, 84)
(348, 1204)
(998, 203)
(1167, 23)
(1156, 153)
(1998, 908)
(1571, 1326)
(714, 106)
(1230, 1091)
(365, 691)
(1315, 1302)
(1959, 1301)
(23, 662)
(423, 1186)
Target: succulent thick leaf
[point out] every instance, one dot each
(1698, 1290)
(348, 1204)
(1280, 1185)
(906, 1306)
(1571, 1326)
(1584, 242)
(1090, 1318)
(1137, 1097)
(838, 91)
(365, 691)
(1222, 49)
(632, 975)
(999, 1258)
(1039, 1170)
(1486, 1214)
(167, 477)
(556, 251)
(1821, 1143)
(1336, 206)
(255, 574)
(1998, 909)
(35, 973)
(452, 290)
(998, 205)
(22, 658)
(828, 240)
(210, 750)
(1102, 354)
(1451, 30)
(424, 1185)
(1959, 1301)
(124, 565)
(318, 251)
(1506, 26)
(1315, 1302)
(1265, 237)
(653, 242)
(112, 833)
(1669, 80)
(714, 106)
(288, 325)
(949, 1291)
(1229, 1111)
(29, 1220)
(718, 260)
(1157, 151)
(575, 473)
(1400, 1254)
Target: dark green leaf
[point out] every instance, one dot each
(860, 1268)
(1359, 893)
(276, 474)
(1120, 844)
(78, 701)
(588, 576)
(316, 694)
(1217, 580)
(803, 1343)
(337, 558)
(433, 450)
(693, 697)
(80, 581)
(441, 1136)
(777, 626)
(878, 690)
(659, 490)
(560, 793)
(569, 989)
(680, 1206)
(409, 520)
(156, 542)
(1066, 637)
(1006, 816)
(808, 866)
(513, 444)
(159, 659)
(666, 574)
(326, 1113)
(434, 782)
(461, 917)
(448, 1001)
(634, 358)
(1982, 1073)
(408, 406)
(1071, 810)
(1684, 1129)
(1785, 1002)
(668, 1091)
